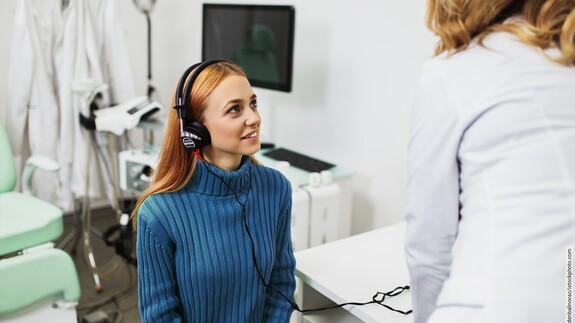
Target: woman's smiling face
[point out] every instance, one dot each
(233, 121)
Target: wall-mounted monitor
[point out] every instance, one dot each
(259, 38)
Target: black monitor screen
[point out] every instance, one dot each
(259, 38)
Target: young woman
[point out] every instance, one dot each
(491, 164)
(213, 220)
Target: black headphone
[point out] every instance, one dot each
(194, 134)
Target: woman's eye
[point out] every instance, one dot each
(254, 104)
(234, 109)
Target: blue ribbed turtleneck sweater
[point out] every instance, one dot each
(194, 256)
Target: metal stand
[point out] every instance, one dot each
(81, 234)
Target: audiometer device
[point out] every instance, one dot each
(126, 115)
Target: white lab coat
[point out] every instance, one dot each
(32, 117)
(491, 186)
(77, 58)
(65, 46)
(92, 47)
(114, 52)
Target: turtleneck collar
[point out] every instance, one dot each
(207, 178)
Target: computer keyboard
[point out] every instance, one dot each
(298, 160)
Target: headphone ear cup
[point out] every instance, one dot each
(198, 130)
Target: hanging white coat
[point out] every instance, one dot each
(32, 115)
(53, 48)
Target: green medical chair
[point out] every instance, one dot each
(38, 283)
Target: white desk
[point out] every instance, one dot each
(353, 270)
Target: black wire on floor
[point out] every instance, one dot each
(130, 289)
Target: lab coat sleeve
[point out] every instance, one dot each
(277, 309)
(156, 275)
(432, 190)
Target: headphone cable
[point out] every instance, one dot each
(378, 298)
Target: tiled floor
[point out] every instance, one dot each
(117, 299)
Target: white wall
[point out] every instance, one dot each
(356, 67)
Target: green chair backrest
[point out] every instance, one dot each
(7, 167)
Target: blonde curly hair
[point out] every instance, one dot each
(540, 23)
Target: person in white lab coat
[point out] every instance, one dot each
(491, 164)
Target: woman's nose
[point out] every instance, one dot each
(253, 118)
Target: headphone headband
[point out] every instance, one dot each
(195, 69)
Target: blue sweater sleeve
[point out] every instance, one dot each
(156, 277)
(277, 309)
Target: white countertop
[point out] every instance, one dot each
(355, 268)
